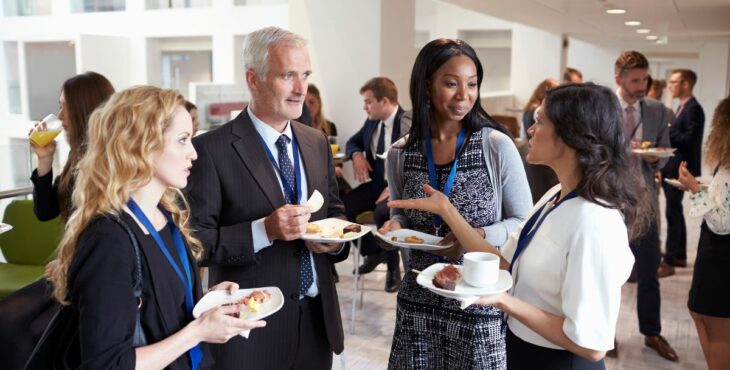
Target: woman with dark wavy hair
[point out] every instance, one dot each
(455, 145)
(570, 259)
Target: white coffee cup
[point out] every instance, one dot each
(481, 269)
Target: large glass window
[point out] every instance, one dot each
(92, 6)
(14, 8)
(179, 68)
(177, 4)
(259, 2)
(12, 77)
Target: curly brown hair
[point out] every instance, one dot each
(718, 145)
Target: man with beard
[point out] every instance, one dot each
(646, 120)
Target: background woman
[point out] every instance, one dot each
(25, 313)
(139, 154)
(570, 259)
(541, 178)
(450, 130)
(709, 302)
(80, 95)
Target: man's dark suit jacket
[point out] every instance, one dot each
(232, 184)
(686, 135)
(360, 141)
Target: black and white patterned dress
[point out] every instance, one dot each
(433, 332)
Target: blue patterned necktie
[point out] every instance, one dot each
(287, 172)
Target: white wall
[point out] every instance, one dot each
(48, 65)
(220, 22)
(594, 61)
(111, 54)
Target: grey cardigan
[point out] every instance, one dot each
(506, 171)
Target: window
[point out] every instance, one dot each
(177, 4)
(92, 6)
(14, 8)
(12, 77)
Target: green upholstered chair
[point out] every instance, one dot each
(27, 247)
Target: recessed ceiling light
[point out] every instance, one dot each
(632, 23)
(643, 30)
(652, 37)
(616, 11)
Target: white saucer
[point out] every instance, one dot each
(463, 290)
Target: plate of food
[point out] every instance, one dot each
(383, 155)
(655, 152)
(5, 227)
(445, 280)
(259, 302)
(334, 230)
(412, 239)
(678, 185)
(338, 155)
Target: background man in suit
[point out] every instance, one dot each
(245, 192)
(645, 120)
(685, 135)
(382, 128)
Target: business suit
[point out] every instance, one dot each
(231, 185)
(646, 249)
(685, 134)
(363, 197)
(101, 288)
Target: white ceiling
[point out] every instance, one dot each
(679, 21)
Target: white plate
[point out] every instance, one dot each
(425, 279)
(337, 224)
(653, 152)
(677, 184)
(338, 155)
(218, 297)
(315, 201)
(5, 227)
(383, 155)
(430, 242)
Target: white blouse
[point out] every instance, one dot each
(574, 267)
(713, 203)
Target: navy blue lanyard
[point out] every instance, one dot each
(287, 187)
(195, 353)
(432, 169)
(528, 231)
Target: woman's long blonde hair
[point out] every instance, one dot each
(123, 135)
(718, 144)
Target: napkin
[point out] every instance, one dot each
(467, 301)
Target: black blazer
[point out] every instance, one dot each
(101, 288)
(233, 184)
(685, 134)
(45, 196)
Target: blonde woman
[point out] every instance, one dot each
(709, 302)
(139, 154)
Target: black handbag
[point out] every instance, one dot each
(59, 347)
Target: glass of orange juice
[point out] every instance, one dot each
(333, 144)
(46, 130)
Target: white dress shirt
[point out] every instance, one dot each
(258, 229)
(713, 203)
(388, 134)
(574, 268)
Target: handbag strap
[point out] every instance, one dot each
(137, 282)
